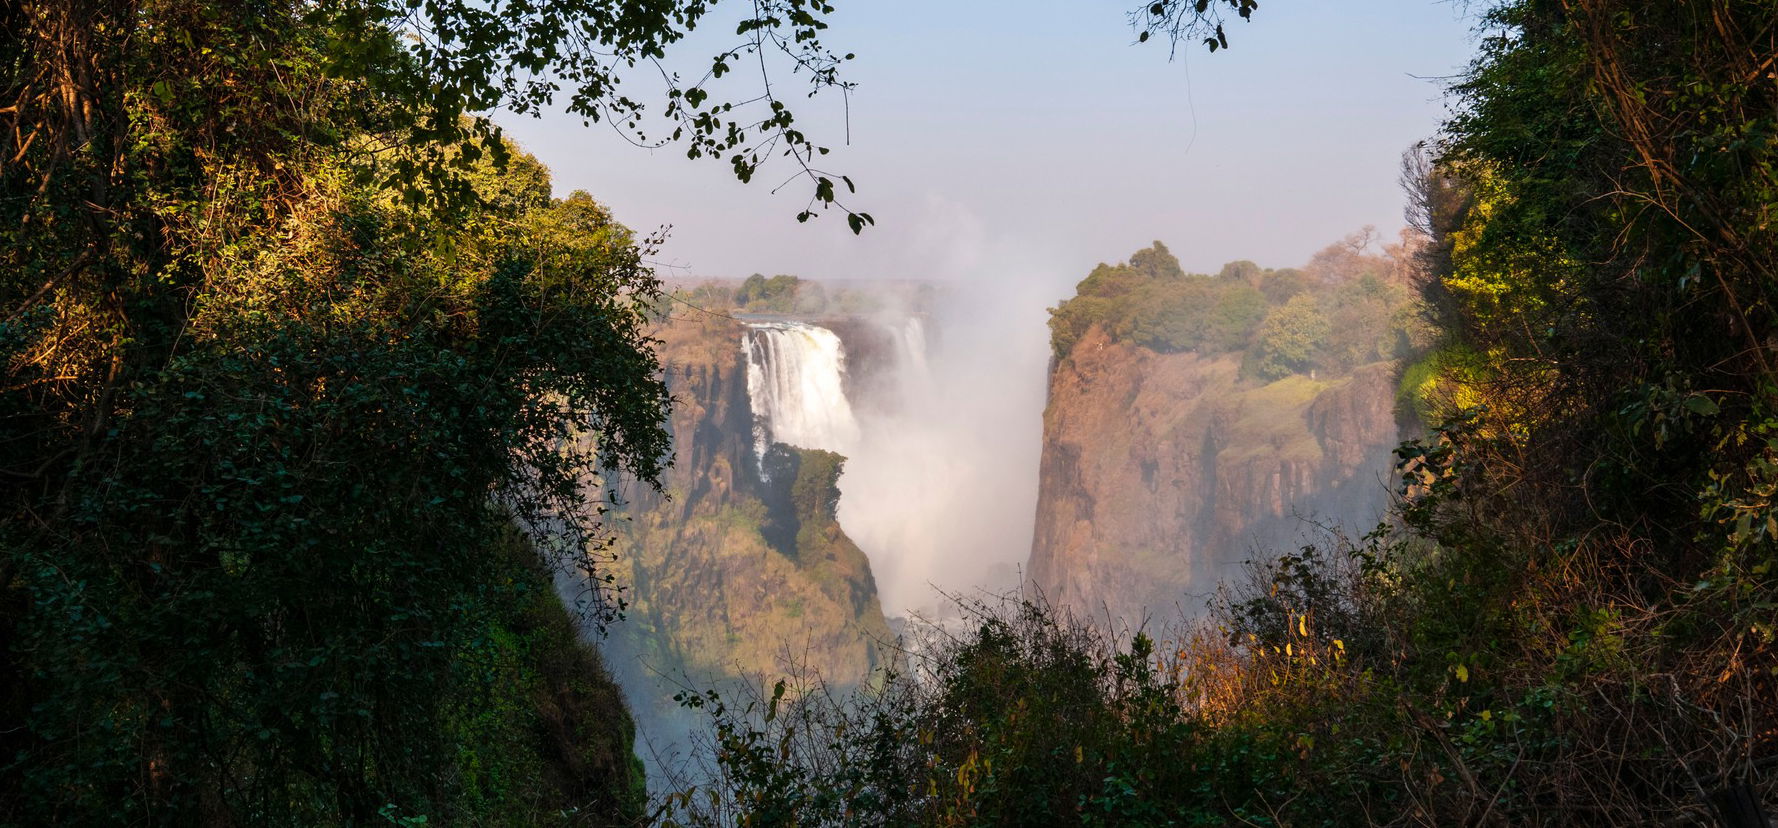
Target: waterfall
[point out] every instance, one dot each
(796, 388)
(911, 342)
(938, 461)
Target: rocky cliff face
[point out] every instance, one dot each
(730, 575)
(1161, 473)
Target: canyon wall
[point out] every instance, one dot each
(1163, 472)
(729, 574)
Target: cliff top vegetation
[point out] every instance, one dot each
(785, 294)
(1345, 308)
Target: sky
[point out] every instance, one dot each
(985, 132)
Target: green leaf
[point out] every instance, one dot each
(777, 695)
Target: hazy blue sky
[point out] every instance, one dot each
(992, 138)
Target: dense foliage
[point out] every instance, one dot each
(291, 341)
(775, 295)
(1029, 717)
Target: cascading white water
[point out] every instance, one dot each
(796, 388)
(939, 481)
(941, 490)
(911, 355)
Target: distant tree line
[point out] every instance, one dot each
(778, 294)
(792, 295)
(1346, 308)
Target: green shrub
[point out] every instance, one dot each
(1237, 316)
(1031, 717)
(1290, 337)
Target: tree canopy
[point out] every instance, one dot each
(293, 341)
(1284, 321)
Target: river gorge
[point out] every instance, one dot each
(841, 475)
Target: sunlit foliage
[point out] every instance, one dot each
(1352, 311)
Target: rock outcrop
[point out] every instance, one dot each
(1162, 473)
(728, 575)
